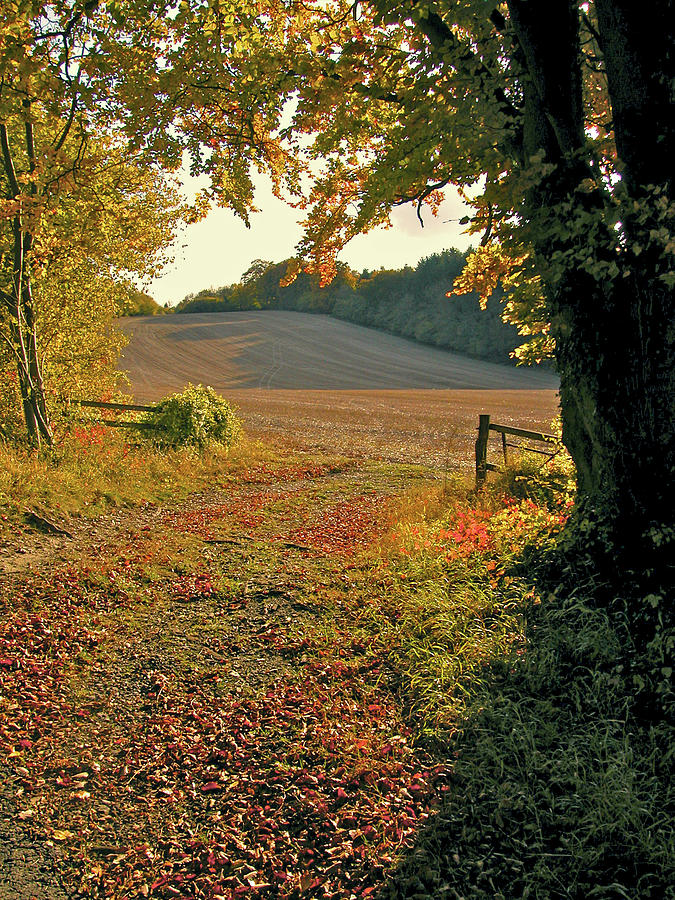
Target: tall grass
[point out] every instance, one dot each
(92, 469)
(561, 789)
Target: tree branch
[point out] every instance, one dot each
(441, 36)
(428, 190)
(30, 148)
(548, 37)
(69, 123)
(8, 163)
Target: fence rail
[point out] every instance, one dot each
(117, 407)
(99, 404)
(484, 429)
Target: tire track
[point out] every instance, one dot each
(267, 378)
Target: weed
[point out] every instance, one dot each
(196, 417)
(546, 481)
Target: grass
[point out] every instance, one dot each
(91, 471)
(458, 617)
(560, 790)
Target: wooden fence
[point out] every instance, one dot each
(484, 429)
(117, 407)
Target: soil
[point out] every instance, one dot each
(298, 351)
(27, 868)
(424, 427)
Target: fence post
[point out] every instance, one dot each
(481, 449)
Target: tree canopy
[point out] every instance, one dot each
(554, 121)
(152, 83)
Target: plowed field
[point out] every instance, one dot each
(313, 381)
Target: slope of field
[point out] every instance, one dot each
(292, 350)
(336, 387)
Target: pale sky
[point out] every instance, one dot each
(219, 249)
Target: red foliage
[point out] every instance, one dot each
(88, 436)
(468, 534)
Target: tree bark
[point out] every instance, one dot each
(614, 331)
(20, 307)
(615, 358)
(637, 46)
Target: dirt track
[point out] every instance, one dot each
(313, 381)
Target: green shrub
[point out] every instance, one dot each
(197, 417)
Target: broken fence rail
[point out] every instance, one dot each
(484, 429)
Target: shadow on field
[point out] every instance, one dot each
(558, 792)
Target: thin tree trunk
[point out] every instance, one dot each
(34, 366)
(23, 342)
(20, 306)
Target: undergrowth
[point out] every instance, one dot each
(561, 788)
(91, 470)
(196, 417)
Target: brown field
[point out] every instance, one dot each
(314, 382)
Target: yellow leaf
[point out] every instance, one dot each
(60, 835)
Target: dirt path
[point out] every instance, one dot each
(187, 711)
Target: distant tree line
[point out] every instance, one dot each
(408, 302)
(138, 303)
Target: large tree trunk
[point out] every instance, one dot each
(610, 304)
(637, 394)
(615, 358)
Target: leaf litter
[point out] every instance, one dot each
(179, 721)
